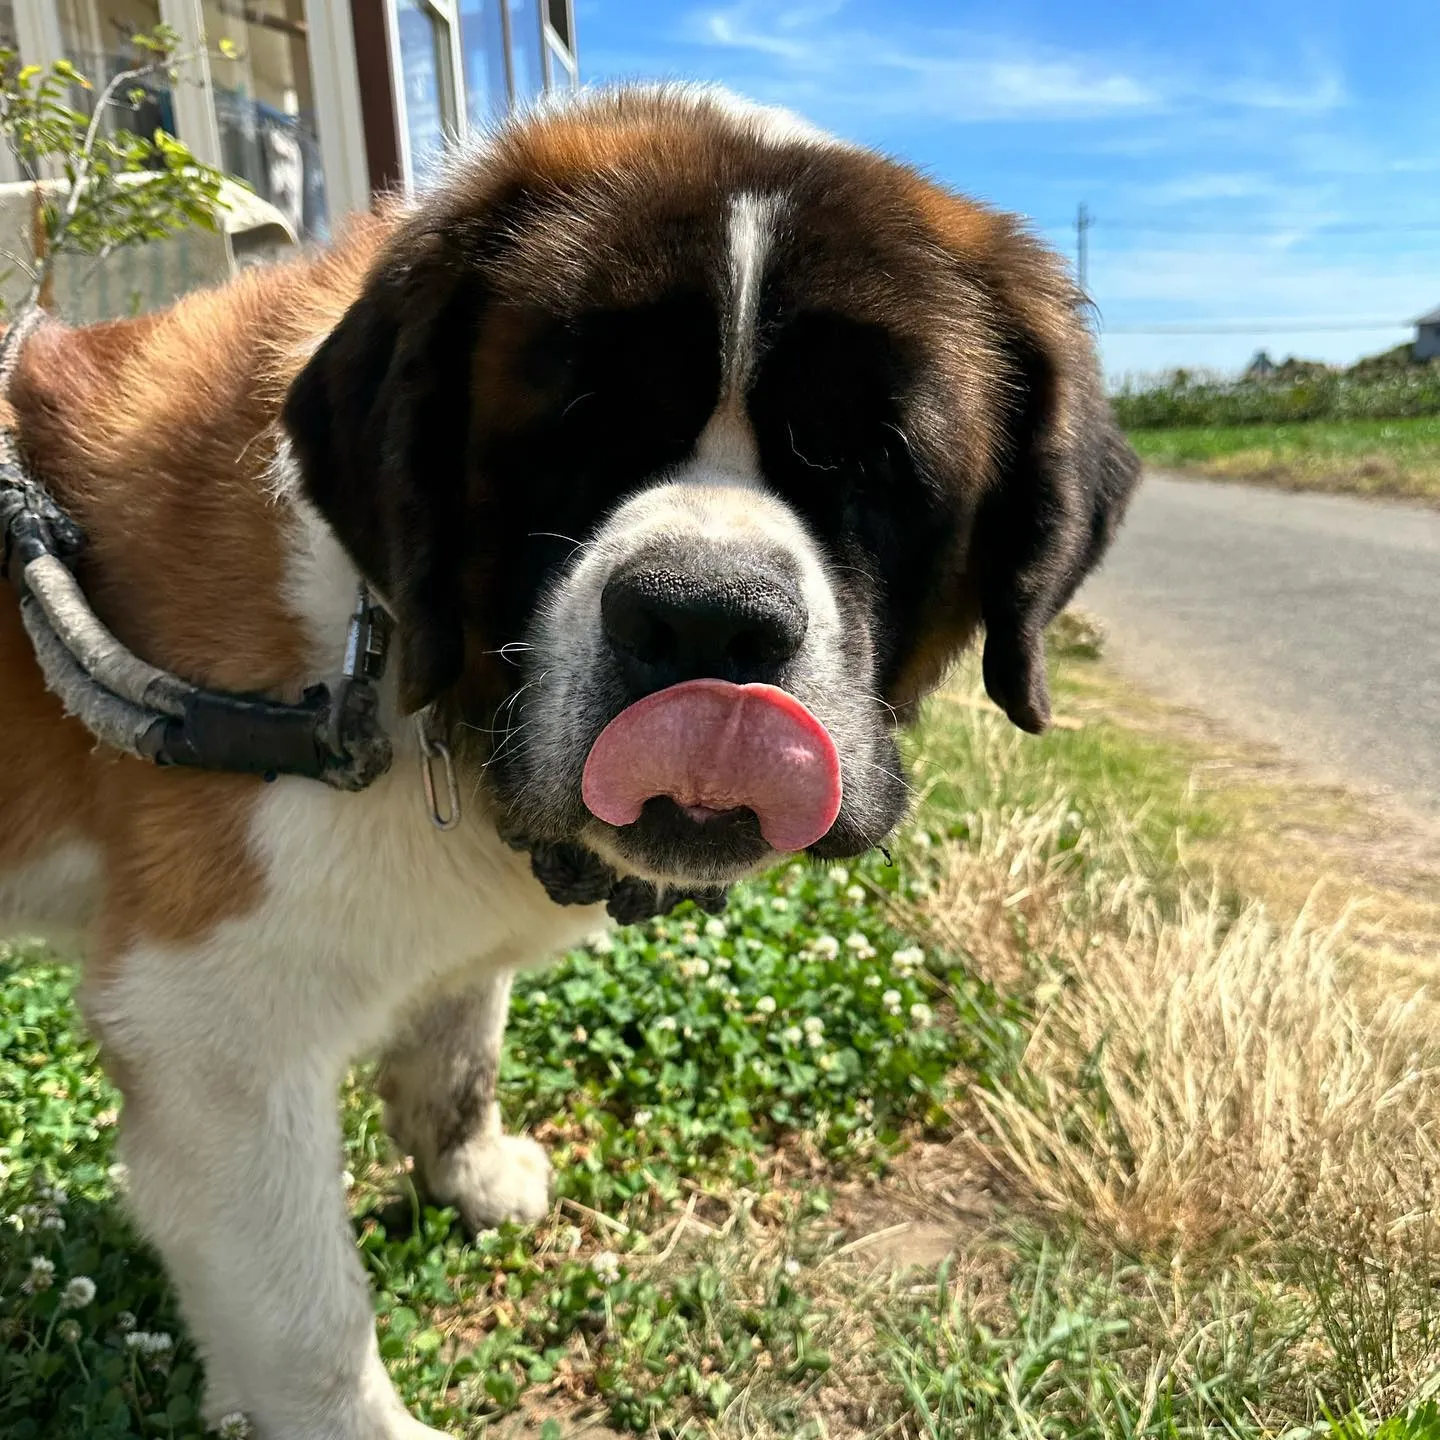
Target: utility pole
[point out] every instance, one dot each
(1083, 222)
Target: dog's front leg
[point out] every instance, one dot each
(438, 1081)
(232, 1142)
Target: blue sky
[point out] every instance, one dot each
(1271, 164)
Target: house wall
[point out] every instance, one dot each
(1427, 342)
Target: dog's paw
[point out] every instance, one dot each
(492, 1179)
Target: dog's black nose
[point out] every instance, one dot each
(668, 623)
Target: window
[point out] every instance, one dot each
(265, 105)
(487, 79)
(558, 12)
(98, 40)
(427, 81)
(527, 56)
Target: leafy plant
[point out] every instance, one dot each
(119, 188)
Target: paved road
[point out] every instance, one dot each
(1308, 621)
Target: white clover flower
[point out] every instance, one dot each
(606, 1266)
(812, 1025)
(27, 1217)
(539, 998)
(642, 1118)
(765, 1005)
(154, 1345)
(792, 1267)
(696, 969)
(666, 1022)
(233, 1426)
(78, 1293)
(600, 943)
(840, 875)
(793, 1035)
(827, 947)
(69, 1331)
(716, 984)
(827, 1061)
(716, 928)
(909, 959)
(41, 1277)
(859, 946)
(780, 903)
(855, 894)
(720, 962)
(814, 1041)
(347, 1179)
(581, 1035)
(865, 1109)
(53, 1222)
(872, 980)
(891, 1001)
(125, 1322)
(921, 1014)
(119, 1175)
(687, 1032)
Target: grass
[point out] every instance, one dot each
(1179, 1166)
(1398, 458)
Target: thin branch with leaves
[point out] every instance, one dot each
(97, 190)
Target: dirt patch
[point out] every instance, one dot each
(934, 1200)
(576, 1422)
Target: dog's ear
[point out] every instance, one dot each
(1064, 478)
(380, 420)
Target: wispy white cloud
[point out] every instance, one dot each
(961, 75)
(941, 74)
(1216, 185)
(1323, 89)
(1266, 284)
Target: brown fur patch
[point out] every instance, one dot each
(156, 434)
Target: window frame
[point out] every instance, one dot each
(452, 80)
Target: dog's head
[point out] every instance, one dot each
(688, 448)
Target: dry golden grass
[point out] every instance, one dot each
(1202, 1070)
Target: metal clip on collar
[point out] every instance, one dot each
(434, 750)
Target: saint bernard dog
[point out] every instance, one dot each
(686, 447)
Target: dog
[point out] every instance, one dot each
(686, 447)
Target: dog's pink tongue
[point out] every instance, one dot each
(713, 746)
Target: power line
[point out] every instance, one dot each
(1256, 327)
(1359, 227)
(1418, 227)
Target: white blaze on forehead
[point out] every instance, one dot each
(753, 219)
(727, 445)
